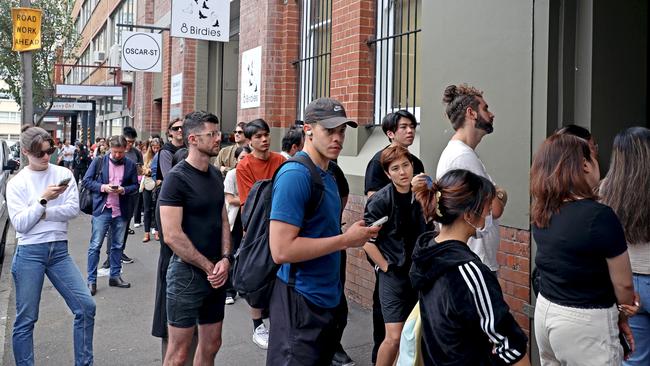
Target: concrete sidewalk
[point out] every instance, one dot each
(123, 320)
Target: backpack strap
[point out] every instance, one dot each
(315, 199)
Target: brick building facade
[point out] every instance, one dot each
(352, 70)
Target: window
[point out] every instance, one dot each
(125, 14)
(315, 46)
(99, 43)
(397, 84)
(9, 117)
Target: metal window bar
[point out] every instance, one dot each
(313, 67)
(396, 57)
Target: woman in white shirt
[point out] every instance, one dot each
(233, 205)
(41, 199)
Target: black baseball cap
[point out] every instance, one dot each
(328, 113)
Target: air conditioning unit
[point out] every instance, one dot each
(99, 57)
(127, 77)
(115, 55)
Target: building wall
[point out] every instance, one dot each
(472, 42)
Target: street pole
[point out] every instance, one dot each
(27, 94)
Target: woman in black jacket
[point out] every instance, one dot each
(465, 320)
(392, 248)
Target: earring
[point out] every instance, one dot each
(308, 133)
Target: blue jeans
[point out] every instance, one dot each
(640, 323)
(101, 224)
(30, 265)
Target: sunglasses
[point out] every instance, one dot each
(42, 153)
(176, 128)
(238, 132)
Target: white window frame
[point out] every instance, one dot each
(307, 69)
(386, 21)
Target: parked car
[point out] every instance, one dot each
(9, 166)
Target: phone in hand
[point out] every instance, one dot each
(380, 222)
(64, 182)
(114, 187)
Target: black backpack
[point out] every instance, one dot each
(254, 271)
(85, 194)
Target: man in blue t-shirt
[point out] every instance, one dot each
(308, 247)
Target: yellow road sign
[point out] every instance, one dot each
(26, 29)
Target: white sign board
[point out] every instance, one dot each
(71, 106)
(176, 93)
(89, 90)
(201, 19)
(251, 78)
(141, 51)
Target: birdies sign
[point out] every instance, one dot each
(201, 19)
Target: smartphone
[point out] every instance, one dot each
(64, 182)
(115, 187)
(626, 346)
(380, 221)
(429, 181)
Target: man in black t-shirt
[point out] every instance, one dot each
(195, 225)
(399, 127)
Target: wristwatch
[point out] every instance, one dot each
(229, 257)
(43, 202)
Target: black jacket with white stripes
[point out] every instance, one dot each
(465, 320)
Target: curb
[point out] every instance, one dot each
(6, 287)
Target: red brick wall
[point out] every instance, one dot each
(276, 27)
(352, 75)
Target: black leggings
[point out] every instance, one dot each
(149, 206)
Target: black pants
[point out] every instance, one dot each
(137, 213)
(301, 332)
(378, 326)
(235, 237)
(149, 207)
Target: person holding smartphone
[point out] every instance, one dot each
(41, 199)
(112, 208)
(394, 209)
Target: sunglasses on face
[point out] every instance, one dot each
(42, 153)
(238, 132)
(176, 128)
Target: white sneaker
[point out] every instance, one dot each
(230, 300)
(261, 337)
(137, 225)
(105, 272)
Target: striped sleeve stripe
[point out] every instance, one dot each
(477, 286)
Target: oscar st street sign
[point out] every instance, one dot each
(141, 51)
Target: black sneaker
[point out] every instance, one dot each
(126, 259)
(106, 264)
(342, 359)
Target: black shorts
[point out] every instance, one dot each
(191, 300)
(301, 333)
(396, 295)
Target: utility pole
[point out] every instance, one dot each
(27, 91)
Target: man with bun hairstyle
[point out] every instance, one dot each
(468, 113)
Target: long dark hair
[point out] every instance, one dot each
(461, 191)
(557, 176)
(626, 188)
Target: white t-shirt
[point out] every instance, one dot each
(68, 152)
(23, 195)
(230, 186)
(458, 155)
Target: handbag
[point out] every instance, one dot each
(410, 353)
(85, 194)
(148, 183)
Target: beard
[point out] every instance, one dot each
(483, 124)
(210, 152)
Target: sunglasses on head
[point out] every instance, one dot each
(176, 128)
(42, 153)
